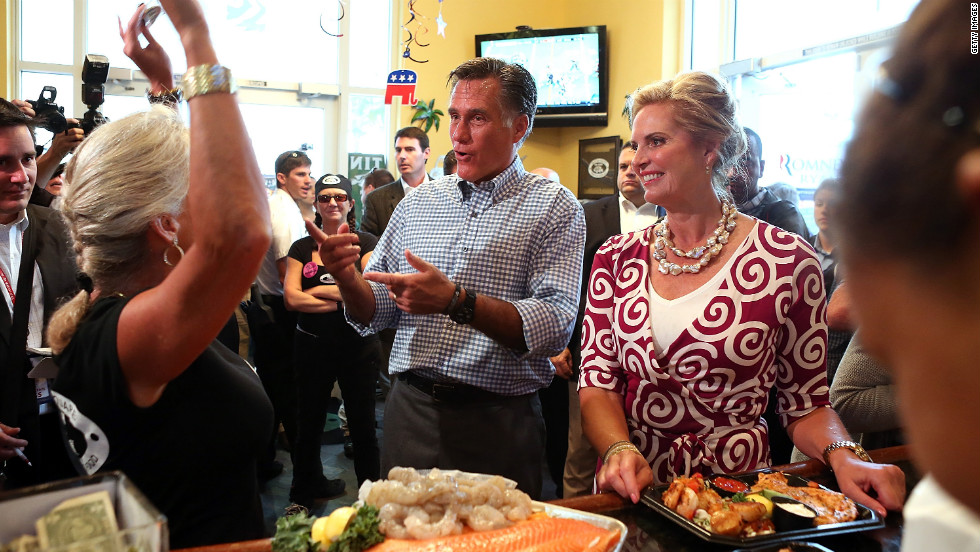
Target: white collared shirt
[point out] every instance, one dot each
(409, 189)
(11, 249)
(632, 218)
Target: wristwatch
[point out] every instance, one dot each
(463, 312)
(856, 448)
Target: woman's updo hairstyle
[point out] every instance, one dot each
(702, 105)
(121, 177)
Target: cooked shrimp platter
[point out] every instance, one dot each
(758, 507)
(446, 511)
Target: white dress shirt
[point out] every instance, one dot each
(632, 218)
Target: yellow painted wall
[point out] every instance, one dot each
(644, 44)
(6, 49)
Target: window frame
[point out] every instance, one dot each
(331, 98)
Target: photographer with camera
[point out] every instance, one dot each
(67, 134)
(62, 144)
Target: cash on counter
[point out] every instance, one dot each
(101, 512)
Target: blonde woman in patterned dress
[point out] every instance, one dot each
(690, 323)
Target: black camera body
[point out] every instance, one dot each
(49, 115)
(95, 72)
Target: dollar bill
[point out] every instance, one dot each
(23, 543)
(80, 524)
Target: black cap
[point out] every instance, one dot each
(333, 181)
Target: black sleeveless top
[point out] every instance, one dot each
(193, 453)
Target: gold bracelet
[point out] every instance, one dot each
(850, 445)
(616, 448)
(207, 79)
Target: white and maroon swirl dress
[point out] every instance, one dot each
(696, 405)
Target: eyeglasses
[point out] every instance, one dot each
(325, 198)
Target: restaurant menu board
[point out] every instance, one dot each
(867, 519)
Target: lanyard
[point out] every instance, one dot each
(10, 290)
(6, 282)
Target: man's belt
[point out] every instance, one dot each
(456, 393)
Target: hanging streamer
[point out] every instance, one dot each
(340, 4)
(420, 30)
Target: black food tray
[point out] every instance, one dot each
(867, 518)
(793, 546)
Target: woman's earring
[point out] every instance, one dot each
(707, 169)
(180, 250)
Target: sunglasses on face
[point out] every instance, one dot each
(325, 198)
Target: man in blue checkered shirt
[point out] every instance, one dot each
(480, 272)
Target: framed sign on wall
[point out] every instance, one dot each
(597, 166)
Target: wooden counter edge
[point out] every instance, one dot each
(602, 502)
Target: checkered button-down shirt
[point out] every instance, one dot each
(518, 238)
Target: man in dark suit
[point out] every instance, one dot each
(625, 211)
(758, 202)
(411, 152)
(36, 273)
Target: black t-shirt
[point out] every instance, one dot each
(192, 453)
(315, 275)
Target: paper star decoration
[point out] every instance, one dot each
(442, 25)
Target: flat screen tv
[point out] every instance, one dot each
(569, 66)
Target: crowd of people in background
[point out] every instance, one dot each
(687, 323)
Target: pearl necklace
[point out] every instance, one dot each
(702, 253)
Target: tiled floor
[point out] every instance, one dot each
(275, 495)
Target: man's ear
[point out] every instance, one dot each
(521, 122)
(425, 153)
(762, 167)
(281, 179)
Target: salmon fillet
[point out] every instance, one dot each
(532, 535)
(831, 507)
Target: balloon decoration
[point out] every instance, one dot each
(340, 4)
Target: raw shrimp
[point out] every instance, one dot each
(405, 475)
(485, 518)
(392, 518)
(420, 525)
(517, 505)
(439, 503)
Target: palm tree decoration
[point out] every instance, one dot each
(427, 115)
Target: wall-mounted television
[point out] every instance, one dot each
(570, 67)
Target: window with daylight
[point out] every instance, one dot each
(800, 71)
(293, 60)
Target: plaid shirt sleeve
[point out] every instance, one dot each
(548, 315)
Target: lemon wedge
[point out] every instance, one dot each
(327, 529)
(756, 498)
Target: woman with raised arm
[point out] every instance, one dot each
(691, 322)
(170, 225)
